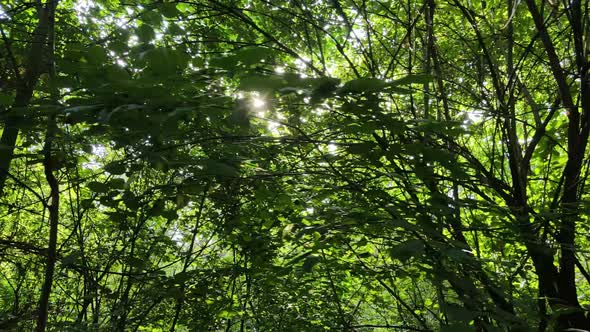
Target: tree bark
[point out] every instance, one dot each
(49, 165)
(577, 139)
(25, 87)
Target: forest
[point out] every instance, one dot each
(294, 165)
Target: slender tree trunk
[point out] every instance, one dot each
(577, 139)
(49, 165)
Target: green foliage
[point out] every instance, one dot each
(293, 166)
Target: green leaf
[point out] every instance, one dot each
(399, 91)
(245, 57)
(407, 250)
(145, 33)
(253, 55)
(116, 74)
(98, 187)
(323, 87)
(226, 314)
(364, 85)
(459, 313)
(158, 208)
(6, 99)
(215, 167)
(131, 202)
(117, 183)
(165, 61)
(310, 262)
(96, 55)
(151, 17)
(169, 9)
(192, 188)
(71, 259)
(169, 214)
(117, 216)
(224, 62)
(136, 262)
(174, 29)
(414, 79)
(115, 168)
(87, 203)
(360, 148)
(261, 83)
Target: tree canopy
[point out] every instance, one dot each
(294, 165)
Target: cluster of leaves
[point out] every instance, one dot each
(293, 166)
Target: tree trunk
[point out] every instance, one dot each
(49, 165)
(36, 64)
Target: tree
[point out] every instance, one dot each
(291, 165)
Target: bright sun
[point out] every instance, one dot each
(258, 102)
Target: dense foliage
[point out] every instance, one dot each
(294, 165)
